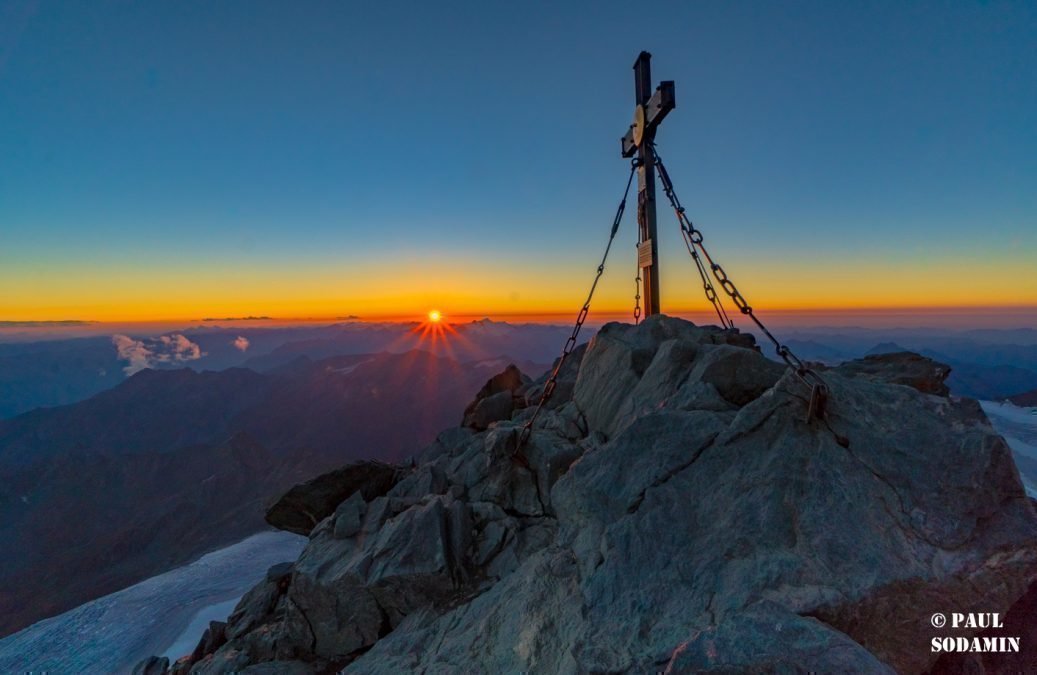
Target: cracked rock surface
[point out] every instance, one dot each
(677, 515)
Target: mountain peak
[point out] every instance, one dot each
(885, 348)
(673, 485)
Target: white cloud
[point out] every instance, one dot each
(149, 352)
(241, 343)
(133, 351)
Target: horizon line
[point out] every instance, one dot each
(397, 317)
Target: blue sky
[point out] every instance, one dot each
(146, 146)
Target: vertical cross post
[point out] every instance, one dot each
(649, 111)
(648, 243)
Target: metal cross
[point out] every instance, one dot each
(648, 114)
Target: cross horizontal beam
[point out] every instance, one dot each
(656, 109)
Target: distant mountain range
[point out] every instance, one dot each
(1027, 399)
(59, 372)
(172, 463)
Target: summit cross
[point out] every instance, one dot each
(649, 111)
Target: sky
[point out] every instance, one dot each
(320, 159)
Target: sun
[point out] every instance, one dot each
(434, 315)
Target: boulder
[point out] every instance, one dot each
(349, 516)
(496, 400)
(258, 605)
(489, 410)
(213, 638)
(302, 507)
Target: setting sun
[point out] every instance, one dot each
(434, 316)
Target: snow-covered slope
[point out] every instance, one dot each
(1018, 425)
(110, 634)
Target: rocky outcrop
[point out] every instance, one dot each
(301, 508)
(498, 398)
(564, 384)
(676, 513)
(906, 368)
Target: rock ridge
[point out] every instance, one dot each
(677, 514)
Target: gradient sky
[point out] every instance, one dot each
(188, 159)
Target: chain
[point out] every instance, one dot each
(570, 344)
(637, 295)
(694, 239)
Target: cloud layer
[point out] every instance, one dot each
(150, 352)
(240, 343)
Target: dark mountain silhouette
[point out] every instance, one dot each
(885, 348)
(55, 373)
(90, 524)
(170, 464)
(1027, 398)
(812, 350)
(483, 339)
(987, 382)
(153, 411)
(59, 372)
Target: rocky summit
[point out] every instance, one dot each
(674, 512)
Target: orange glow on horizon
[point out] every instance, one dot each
(410, 288)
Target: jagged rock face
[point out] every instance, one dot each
(907, 368)
(301, 508)
(677, 514)
(499, 397)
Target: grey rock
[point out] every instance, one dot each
(447, 442)
(340, 613)
(678, 514)
(349, 516)
(428, 478)
(775, 641)
(214, 637)
(491, 541)
(738, 375)
(496, 399)
(906, 368)
(459, 540)
(565, 383)
(304, 506)
(631, 370)
(377, 513)
(257, 606)
(490, 409)
(279, 572)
